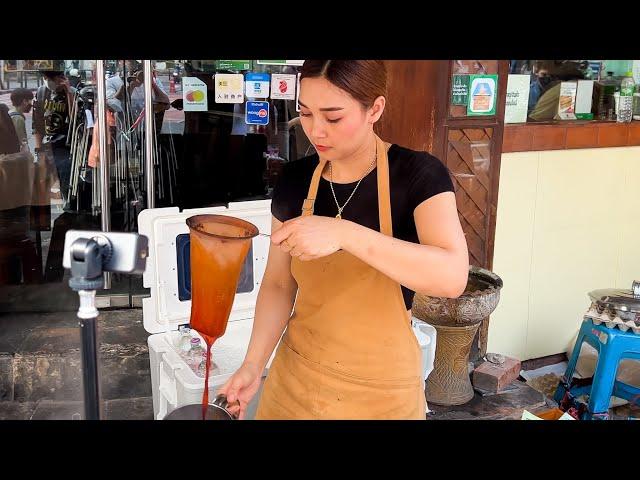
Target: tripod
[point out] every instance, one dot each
(88, 258)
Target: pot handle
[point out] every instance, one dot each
(221, 401)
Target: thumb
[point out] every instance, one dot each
(281, 234)
(233, 389)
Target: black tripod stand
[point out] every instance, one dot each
(89, 255)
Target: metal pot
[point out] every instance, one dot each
(217, 410)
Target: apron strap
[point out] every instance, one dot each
(309, 202)
(384, 198)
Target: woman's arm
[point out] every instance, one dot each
(274, 305)
(438, 266)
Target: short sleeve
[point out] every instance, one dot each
(429, 177)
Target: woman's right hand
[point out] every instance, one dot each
(241, 388)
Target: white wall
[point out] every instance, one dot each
(565, 226)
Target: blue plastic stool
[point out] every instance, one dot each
(612, 345)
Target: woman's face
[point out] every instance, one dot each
(335, 123)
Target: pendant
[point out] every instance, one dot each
(338, 216)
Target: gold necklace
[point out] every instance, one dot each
(341, 208)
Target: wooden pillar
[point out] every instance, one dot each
(419, 115)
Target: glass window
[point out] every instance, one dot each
(546, 77)
(210, 155)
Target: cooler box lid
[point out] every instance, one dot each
(168, 273)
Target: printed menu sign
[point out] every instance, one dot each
(517, 99)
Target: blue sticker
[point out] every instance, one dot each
(257, 77)
(257, 85)
(257, 113)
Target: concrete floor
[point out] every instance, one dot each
(40, 375)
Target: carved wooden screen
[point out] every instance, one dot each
(469, 160)
(469, 146)
(472, 149)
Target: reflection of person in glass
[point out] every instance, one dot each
(51, 121)
(9, 139)
(131, 81)
(357, 229)
(545, 87)
(22, 101)
(51, 127)
(16, 186)
(540, 82)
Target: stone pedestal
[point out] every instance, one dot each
(449, 383)
(456, 321)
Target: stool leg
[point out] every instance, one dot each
(573, 362)
(604, 379)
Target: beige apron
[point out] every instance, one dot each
(349, 351)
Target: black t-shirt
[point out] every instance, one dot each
(51, 115)
(413, 178)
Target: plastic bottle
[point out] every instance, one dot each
(636, 103)
(195, 354)
(202, 367)
(625, 107)
(185, 340)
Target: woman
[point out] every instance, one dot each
(350, 226)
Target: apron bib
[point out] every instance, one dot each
(349, 351)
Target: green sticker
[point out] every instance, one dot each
(483, 92)
(233, 65)
(459, 89)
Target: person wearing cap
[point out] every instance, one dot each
(74, 77)
(51, 128)
(115, 89)
(51, 120)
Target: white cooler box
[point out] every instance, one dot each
(173, 382)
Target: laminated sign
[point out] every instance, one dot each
(257, 85)
(517, 100)
(229, 87)
(257, 113)
(459, 89)
(283, 86)
(482, 95)
(194, 94)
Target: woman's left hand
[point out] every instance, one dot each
(310, 237)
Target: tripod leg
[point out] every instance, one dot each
(89, 352)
